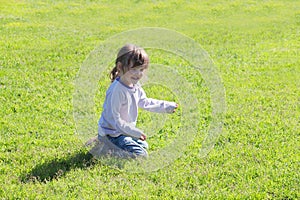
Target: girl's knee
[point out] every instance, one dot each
(130, 146)
(144, 144)
(135, 147)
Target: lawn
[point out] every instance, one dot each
(255, 50)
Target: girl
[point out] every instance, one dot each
(123, 98)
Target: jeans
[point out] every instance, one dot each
(135, 147)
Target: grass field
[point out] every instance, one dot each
(256, 48)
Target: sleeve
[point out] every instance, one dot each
(154, 105)
(121, 125)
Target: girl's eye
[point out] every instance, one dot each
(134, 70)
(137, 70)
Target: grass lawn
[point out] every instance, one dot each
(255, 47)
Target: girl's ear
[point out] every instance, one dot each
(119, 67)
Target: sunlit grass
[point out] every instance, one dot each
(255, 46)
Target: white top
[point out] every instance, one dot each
(120, 109)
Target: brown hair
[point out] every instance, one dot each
(129, 56)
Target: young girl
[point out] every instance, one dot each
(123, 98)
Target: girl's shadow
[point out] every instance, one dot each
(57, 168)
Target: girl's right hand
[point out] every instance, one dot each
(143, 137)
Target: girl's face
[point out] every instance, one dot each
(133, 75)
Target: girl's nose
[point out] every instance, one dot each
(140, 73)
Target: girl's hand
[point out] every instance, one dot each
(143, 137)
(175, 107)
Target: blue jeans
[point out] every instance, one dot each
(134, 147)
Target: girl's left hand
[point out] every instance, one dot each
(175, 107)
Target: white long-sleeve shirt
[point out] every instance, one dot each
(120, 109)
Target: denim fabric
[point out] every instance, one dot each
(132, 146)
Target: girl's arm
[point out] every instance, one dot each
(154, 105)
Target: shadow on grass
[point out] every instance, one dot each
(103, 152)
(57, 168)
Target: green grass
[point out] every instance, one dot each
(255, 46)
